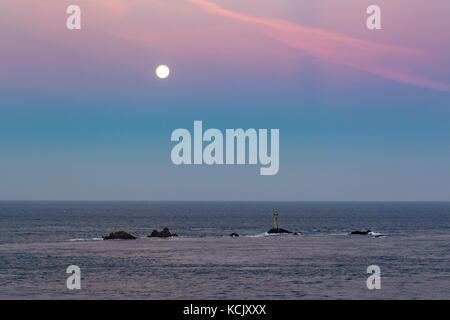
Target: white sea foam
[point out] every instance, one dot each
(377, 234)
(87, 239)
(256, 235)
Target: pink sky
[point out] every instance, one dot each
(270, 34)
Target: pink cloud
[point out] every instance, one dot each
(387, 61)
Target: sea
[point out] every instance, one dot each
(409, 242)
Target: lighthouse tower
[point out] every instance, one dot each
(275, 228)
(275, 219)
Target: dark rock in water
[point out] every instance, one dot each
(234, 234)
(361, 232)
(165, 233)
(119, 235)
(278, 230)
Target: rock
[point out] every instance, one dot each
(278, 230)
(234, 234)
(165, 233)
(119, 235)
(361, 232)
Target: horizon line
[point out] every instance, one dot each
(99, 200)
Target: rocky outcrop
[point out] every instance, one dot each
(119, 235)
(165, 233)
(361, 232)
(234, 234)
(278, 230)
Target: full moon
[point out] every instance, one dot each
(162, 71)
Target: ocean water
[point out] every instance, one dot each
(39, 240)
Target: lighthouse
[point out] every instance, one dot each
(275, 228)
(275, 219)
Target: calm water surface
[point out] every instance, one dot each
(38, 240)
